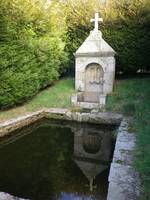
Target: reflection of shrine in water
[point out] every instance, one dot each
(66, 157)
(92, 151)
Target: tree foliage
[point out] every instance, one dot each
(126, 28)
(31, 50)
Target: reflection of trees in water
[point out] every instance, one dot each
(36, 163)
(40, 165)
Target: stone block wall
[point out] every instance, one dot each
(108, 66)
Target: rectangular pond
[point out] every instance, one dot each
(57, 160)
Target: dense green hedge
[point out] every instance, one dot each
(31, 52)
(132, 46)
(126, 28)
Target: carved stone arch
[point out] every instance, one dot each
(94, 78)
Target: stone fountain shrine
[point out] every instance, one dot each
(94, 70)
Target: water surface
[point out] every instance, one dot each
(57, 161)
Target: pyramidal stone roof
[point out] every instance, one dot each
(95, 45)
(90, 169)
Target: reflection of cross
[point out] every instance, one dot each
(96, 20)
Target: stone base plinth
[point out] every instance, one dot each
(89, 100)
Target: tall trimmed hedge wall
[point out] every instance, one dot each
(31, 52)
(132, 46)
(126, 27)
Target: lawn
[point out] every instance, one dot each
(131, 97)
(58, 95)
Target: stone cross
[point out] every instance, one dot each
(96, 20)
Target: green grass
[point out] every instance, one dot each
(132, 97)
(128, 95)
(58, 95)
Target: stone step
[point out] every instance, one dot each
(92, 97)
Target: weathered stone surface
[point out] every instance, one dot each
(89, 100)
(124, 183)
(13, 124)
(122, 156)
(60, 114)
(94, 70)
(94, 43)
(123, 174)
(5, 196)
(97, 118)
(95, 51)
(125, 141)
(121, 192)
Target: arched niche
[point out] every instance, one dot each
(94, 78)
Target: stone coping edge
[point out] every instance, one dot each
(107, 118)
(124, 181)
(95, 54)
